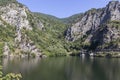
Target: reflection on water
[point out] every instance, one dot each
(64, 68)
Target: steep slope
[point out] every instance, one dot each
(107, 36)
(29, 34)
(97, 27)
(51, 38)
(92, 19)
(14, 19)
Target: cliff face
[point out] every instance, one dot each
(26, 33)
(92, 19)
(107, 36)
(91, 23)
(17, 15)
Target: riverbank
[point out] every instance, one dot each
(110, 54)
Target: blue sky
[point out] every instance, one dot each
(63, 8)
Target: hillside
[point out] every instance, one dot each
(98, 27)
(26, 33)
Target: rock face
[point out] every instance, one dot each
(17, 15)
(92, 19)
(107, 36)
(6, 50)
(91, 25)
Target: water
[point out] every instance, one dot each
(64, 68)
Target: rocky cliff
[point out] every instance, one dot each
(16, 15)
(25, 33)
(99, 27)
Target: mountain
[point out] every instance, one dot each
(100, 28)
(14, 20)
(72, 19)
(26, 33)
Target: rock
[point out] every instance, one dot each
(18, 16)
(107, 37)
(15, 15)
(100, 26)
(6, 50)
(92, 19)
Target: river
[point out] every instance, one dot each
(64, 68)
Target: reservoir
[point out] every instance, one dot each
(64, 68)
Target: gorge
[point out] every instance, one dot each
(26, 33)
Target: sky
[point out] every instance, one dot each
(63, 8)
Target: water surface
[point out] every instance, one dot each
(64, 68)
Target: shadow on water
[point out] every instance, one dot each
(64, 68)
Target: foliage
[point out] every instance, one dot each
(4, 2)
(115, 24)
(51, 38)
(72, 19)
(1, 48)
(7, 34)
(9, 76)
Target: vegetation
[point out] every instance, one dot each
(7, 34)
(51, 38)
(4, 2)
(9, 76)
(72, 19)
(1, 48)
(108, 54)
(115, 24)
